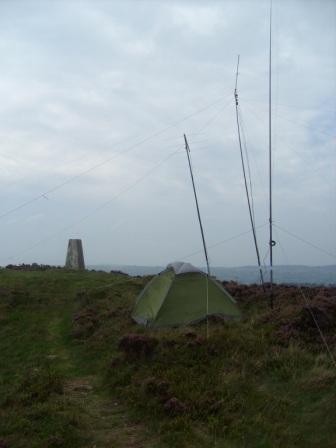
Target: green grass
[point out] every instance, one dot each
(241, 387)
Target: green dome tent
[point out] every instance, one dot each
(177, 296)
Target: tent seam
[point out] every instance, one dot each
(164, 298)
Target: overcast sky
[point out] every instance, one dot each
(95, 97)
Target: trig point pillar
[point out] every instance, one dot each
(75, 256)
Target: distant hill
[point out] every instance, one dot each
(295, 274)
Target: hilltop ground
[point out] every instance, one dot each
(67, 380)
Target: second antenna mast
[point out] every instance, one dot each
(245, 180)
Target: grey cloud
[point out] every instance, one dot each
(79, 77)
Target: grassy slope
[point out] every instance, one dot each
(50, 394)
(66, 384)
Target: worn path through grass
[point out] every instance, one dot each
(105, 420)
(50, 393)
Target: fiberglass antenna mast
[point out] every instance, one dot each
(202, 231)
(245, 182)
(271, 241)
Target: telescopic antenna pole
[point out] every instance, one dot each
(197, 206)
(271, 241)
(245, 181)
(202, 233)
